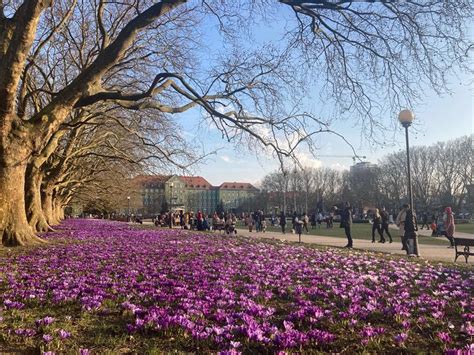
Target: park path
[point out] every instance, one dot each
(429, 252)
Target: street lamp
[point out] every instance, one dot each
(406, 118)
(171, 193)
(128, 213)
(171, 205)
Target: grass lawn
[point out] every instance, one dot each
(362, 231)
(465, 228)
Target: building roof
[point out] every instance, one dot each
(150, 180)
(196, 182)
(237, 186)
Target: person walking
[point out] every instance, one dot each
(400, 222)
(377, 226)
(282, 221)
(346, 223)
(424, 220)
(385, 223)
(449, 226)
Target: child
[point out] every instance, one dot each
(264, 225)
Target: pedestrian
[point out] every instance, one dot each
(320, 219)
(256, 217)
(249, 222)
(346, 223)
(411, 229)
(313, 220)
(199, 218)
(385, 223)
(400, 222)
(181, 219)
(424, 220)
(293, 221)
(377, 226)
(449, 226)
(305, 222)
(299, 227)
(282, 221)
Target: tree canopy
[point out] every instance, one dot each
(64, 59)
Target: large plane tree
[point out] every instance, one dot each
(368, 59)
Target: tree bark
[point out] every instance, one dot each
(47, 203)
(34, 211)
(14, 227)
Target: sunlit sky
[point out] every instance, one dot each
(437, 119)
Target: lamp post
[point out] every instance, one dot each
(128, 213)
(406, 118)
(171, 205)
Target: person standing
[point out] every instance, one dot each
(299, 227)
(346, 223)
(293, 221)
(249, 222)
(282, 221)
(320, 219)
(400, 222)
(305, 222)
(411, 228)
(385, 223)
(377, 226)
(449, 226)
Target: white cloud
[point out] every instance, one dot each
(340, 167)
(307, 160)
(226, 158)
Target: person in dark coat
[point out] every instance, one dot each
(299, 227)
(377, 226)
(411, 228)
(282, 221)
(385, 222)
(346, 223)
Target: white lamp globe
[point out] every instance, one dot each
(406, 117)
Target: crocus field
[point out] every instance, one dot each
(102, 286)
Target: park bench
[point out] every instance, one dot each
(466, 243)
(220, 226)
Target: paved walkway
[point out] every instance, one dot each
(430, 252)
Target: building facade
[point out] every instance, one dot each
(156, 193)
(235, 194)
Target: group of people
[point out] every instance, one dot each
(406, 222)
(198, 221)
(256, 219)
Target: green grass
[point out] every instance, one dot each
(465, 228)
(362, 231)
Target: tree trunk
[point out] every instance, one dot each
(14, 227)
(34, 211)
(58, 210)
(47, 203)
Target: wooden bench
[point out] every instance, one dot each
(466, 243)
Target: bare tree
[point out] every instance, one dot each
(59, 57)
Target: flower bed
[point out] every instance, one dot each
(203, 292)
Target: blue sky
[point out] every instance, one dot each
(437, 119)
